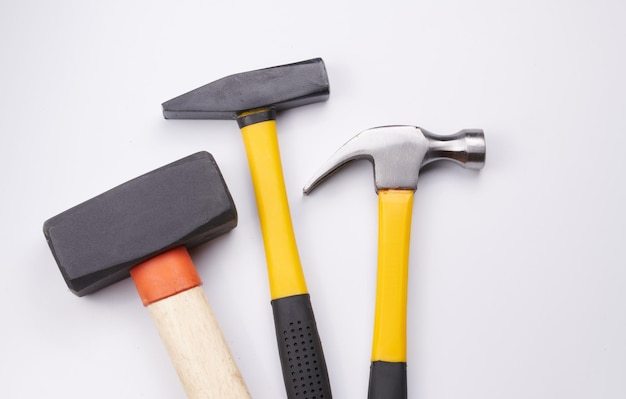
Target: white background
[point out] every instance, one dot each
(517, 281)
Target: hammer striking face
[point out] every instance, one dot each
(398, 153)
(143, 228)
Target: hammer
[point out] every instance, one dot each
(253, 98)
(143, 228)
(398, 153)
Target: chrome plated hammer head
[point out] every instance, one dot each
(399, 152)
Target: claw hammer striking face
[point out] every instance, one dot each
(398, 153)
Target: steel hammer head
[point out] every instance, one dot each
(97, 242)
(280, 87)
(399, 152)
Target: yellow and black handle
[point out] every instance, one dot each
(299, 345)
(388, 377)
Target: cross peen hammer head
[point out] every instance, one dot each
(279, 87)
(399, 152)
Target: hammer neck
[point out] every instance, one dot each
(256, 116)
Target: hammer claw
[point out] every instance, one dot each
(398, 153)
(395, 151)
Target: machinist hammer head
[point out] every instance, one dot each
(253, 99)
(280, 87)
(399, 152)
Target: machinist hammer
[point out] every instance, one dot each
(253, 98)
(143, 229)
(398, 153)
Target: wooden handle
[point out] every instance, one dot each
(197, 347)
(169, 286)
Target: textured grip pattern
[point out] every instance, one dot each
(300, 349)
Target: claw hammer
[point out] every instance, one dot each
(253, 98)
(398, 153)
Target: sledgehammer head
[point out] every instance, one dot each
(97, 242)
(399, 152)
(279, 87)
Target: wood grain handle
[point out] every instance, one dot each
(169, 286)
(197, 347)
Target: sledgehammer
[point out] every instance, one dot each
(252, 98)
(143, 228)
(398, 153)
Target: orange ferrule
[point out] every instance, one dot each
(165, 275)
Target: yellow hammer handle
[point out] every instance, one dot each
(394, 232)
(286, 277)
(293, 314)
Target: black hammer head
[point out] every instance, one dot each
(279, 87)
(97, 242)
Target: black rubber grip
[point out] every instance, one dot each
(387, 380)
(300, 349)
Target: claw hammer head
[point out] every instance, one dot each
(399, 152)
